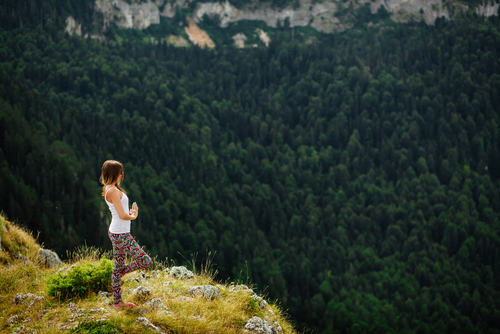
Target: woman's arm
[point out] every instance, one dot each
(114, 197)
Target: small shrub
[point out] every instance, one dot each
(83, 278)
(95, 327)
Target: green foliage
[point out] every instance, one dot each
(95, 327)
(81, 280)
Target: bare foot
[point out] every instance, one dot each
(123, 304)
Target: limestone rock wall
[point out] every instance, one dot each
(141, 14)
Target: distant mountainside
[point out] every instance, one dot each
(325, 16)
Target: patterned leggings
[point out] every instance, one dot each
(124, 244)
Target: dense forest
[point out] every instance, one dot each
(352, 176)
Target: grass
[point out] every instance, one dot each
(188, 314)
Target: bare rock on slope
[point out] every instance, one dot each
(208, 291)
(181, 273)
(50, 258)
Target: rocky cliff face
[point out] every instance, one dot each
(141, 14)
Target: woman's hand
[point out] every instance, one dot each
(134, 212)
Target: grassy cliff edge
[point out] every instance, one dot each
(172, 305)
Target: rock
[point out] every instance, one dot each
(239, 40)
(168, 283)
(50, 258)
(74, 308)
(155, 274)
(187, 299)
(23, 258)
(103, 294)
(181, 273)
(257, 325)
(157, 304)
(22, 329)
(146, 323)
(129, 14)
(12, 320)
(208, 291)
(35, 300)
(75, 316)
(72, 27)
(142, 292)
(133, 279)
(20, 297)
(143, 275)
(277, 326)
(28, 319)
(98, 310)
(262, 303)
(240, 287)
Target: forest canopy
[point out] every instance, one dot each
(353, 177)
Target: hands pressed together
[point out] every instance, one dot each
(134, 212)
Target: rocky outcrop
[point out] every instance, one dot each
(72, 27)
(181, 273)
(322, 16)
(138, 14)
(50, 258)
(239, 40)
(142, 292)
(258, 325)
(207, 291)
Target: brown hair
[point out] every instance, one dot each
(111, 170)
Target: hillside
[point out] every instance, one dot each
(172, 299)
(352, 176)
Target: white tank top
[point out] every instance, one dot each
(118, 225)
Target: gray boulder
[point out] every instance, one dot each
(142, 292)
(181, 273)
(50, 258)
(208, 291)
(258, 325)
(157, 304)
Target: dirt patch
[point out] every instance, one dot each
(198, 36)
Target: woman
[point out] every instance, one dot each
(119, 229)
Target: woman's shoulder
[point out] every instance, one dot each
(109, 190)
